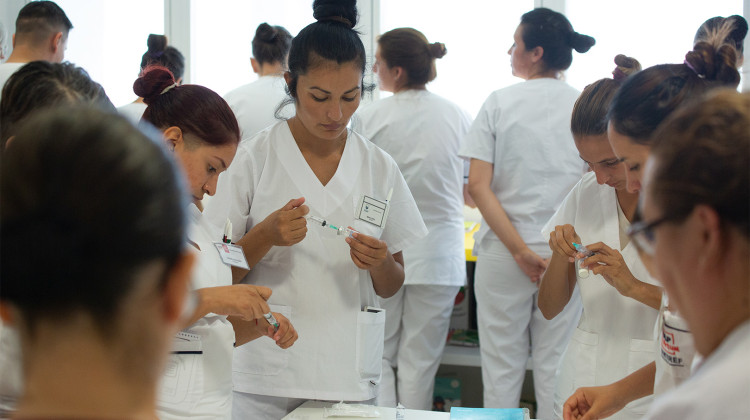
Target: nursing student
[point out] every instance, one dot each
(620, 299)
(95, 316)
(643, 102)
(324, 279)
(255, 104)
(198, 381)
(422, 132)
(698, 234)
(523, 162)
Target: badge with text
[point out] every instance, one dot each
(372, 210)
(232, 254)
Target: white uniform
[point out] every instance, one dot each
(133, 111)
(524, 131)
(199, 386)
(615, 334)
(7, 70)
(675, 349)
(315, 283)
(422, 132)
(719, 387)
(254, 104)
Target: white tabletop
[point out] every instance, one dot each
(313, 410)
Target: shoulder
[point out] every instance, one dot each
(377, 156)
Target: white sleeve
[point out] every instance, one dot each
(234, 196)
(480, 140)
(566, 213)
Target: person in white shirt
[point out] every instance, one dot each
(697, 233)
(255, 104)
(41, 34)
(422, 132)
(325, 277)
(523, 162)
(620, 299)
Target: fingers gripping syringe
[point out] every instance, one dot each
(339, 230)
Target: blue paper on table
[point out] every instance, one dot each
(467, 413)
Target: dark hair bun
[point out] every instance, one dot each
(580, 42)
(266, 32)
(739, 31)
(625, 67)
(344, 11)
(152, 82)
(714, 65)
(156, 44)
(438, 50)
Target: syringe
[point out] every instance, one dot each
(582, 272)
(339, 230)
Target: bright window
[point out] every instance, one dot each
(108, 40)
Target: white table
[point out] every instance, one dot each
(313, 410)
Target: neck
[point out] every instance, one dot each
(308, 143)
(405, 88)
(628, 202)
(76, 375)
(275, 69)
(544, 74)
(26, 55)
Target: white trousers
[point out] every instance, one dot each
(263, 407)
(509, 322)
(416, 327)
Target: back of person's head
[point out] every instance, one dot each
(331, 39)
(409, 49)
(195, 109)
(38, 20)
(647, 98)
(41, 84)
(271, 44)
(702, 155)
(553, 32)
(732, 30)
(589, 117)
(108, 204)
(161, 53)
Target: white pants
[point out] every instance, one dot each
(416, 327)
(263, 407)
(509, 322)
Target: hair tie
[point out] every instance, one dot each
(690, 66)
(166, 89)
(339, 19)
(157, 54)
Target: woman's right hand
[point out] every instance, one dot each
(561, 241)
(287, 225)
(531, 264)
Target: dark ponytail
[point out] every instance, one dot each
(553, 32)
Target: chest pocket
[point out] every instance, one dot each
(361, 226)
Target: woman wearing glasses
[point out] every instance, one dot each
(620, 299)
(644, 101)
(698, 233)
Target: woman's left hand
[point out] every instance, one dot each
(285, 336)
(367, 252)
(609, 263)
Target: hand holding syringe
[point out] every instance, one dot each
(339, 230)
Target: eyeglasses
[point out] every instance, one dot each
(642, 234)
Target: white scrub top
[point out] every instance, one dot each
(615, 334)
(254, 104)
(7, 70)
(315, 283)
(423, 132)
(133, 111)
(719, 387)
(524, 131)
(199, 386)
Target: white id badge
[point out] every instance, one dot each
(372, 210)
(232, 254)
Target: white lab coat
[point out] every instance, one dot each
(422, 132)
(254, 104)
(719, 387)
(524, 131)
(199, 386)
(675, 349)
(133, 111)
(615, 334)
(315, 284)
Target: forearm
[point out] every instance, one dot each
(255, 244)
(204, 307)
(244, 331)
(497, 219)
(636, 385)
(388, 277)
(647, 294)
(556, 287)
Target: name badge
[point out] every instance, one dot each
(232, 254)
(372, 210)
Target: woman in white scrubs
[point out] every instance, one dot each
(198, 381)
(620, 300)
(423, 133)
(698, 234)
(255, 104)
(326, 283)
(643, 102)
(523, 162)
(97, 304)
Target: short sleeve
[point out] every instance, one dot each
(566, 213)
(234, 196)
(480, 140)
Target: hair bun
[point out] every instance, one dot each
(156, 44)
(266, 32)
(341, 11)
(152, 82)
(437, 50)
(625, 67)
(580, 42)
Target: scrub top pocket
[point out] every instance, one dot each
(182, 382)
(370, 340)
